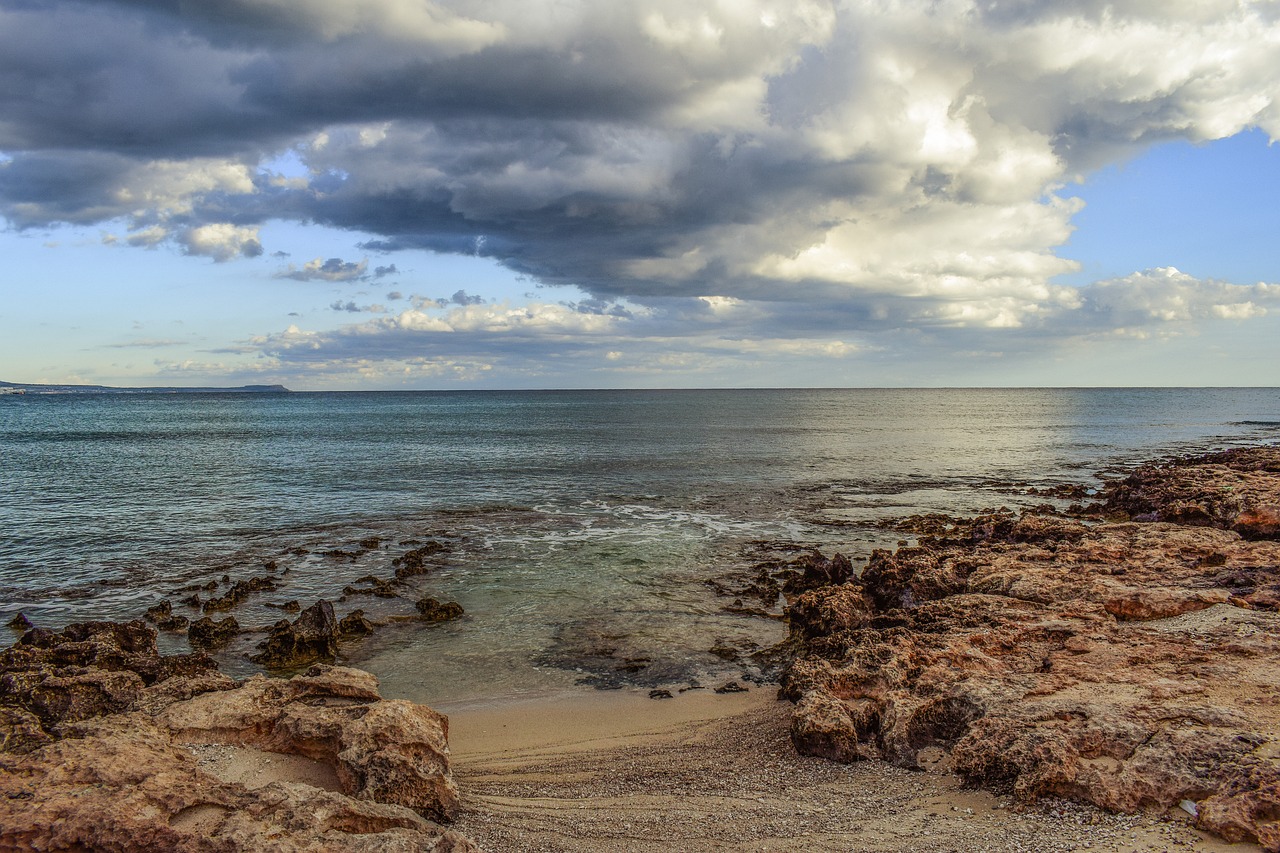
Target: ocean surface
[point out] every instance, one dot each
(577, 529)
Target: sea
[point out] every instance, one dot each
(589, 536)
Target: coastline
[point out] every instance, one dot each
(958, 694)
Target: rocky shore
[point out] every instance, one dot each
(1126, 657)
(1123, 654)
(107, 745)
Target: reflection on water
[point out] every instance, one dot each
(574, 520)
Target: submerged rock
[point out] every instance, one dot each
(313, 636)
(288, 606)
(434, 610)
(377, 587)
(414, 562)
(238, 592)
(20, 622)
(354, 624)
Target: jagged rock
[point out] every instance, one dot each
(311, 637)
(354, 624)
(50, 679)
(91, 722)
(162, 616)
(287, 607)
(204, 633)
(827, 727)
(20, 622)
(1233, 490)
(156, 612)
(414, 562)
(434, 610)
(813, 571)
(21, 731)
(239, 591)
(173, 623)
(377, 587)
(833, 611)
(1130, 665)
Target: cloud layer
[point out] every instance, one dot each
(832, 170)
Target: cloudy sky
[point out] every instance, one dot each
(640, 193)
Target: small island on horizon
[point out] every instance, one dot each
(11, 388)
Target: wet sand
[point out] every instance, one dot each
(617, 771)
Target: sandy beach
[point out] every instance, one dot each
(617, 771)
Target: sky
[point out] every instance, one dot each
(387, 194)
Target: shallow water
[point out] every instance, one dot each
(574, 520)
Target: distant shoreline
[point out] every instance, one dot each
(21, 388)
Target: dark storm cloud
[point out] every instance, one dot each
(855, 164)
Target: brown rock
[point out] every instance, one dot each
(434, 610)
(123, 786)
(354, 624)
(20, 622)
(1259, 522)
(287, 607)
(813, 571)
(50, 680)
(173, 623)
(388, 751)
(204, 633)
(414, 562)
(20, 731)
(1234, 490)
(238, 592)
(1143, 604)
(830, 728)
(376, 587)
(163, 610)
(831, 611)
(311, 637)
(1114, 664)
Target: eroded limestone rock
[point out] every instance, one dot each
(313, 636)
(52, 678)
(1129, 665)
(123, 785)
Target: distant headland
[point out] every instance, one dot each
(7, 388)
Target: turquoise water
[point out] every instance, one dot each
(574, 519)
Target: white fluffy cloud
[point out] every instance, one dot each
(221, 241)
(834, 169)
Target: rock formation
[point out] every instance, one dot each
(434, 610)
(313, 636)
(1126, 664)
(98, 735)
(1235, 490)
(204, 633)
